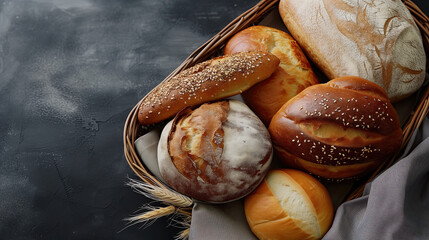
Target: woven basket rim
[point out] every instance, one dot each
(205, 51)
(132, 127)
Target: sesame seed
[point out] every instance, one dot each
(190, 80)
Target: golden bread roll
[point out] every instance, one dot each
(377, 40)
(293, 74)
(208, 81)
(289, 204)
(341, 129)
(216, 153)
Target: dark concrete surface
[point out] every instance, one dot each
(70, 72)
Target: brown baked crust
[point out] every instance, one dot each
(348, 121)
(217, 153)
(208, 81)
(269, 220)
(293, 74)
(193, 154)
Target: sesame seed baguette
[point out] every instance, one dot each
(211, 80)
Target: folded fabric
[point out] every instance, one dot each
(223, 221)
(394, 206)
(146, 147)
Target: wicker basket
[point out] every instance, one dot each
(181, 205)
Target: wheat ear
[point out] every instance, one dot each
(160, 194)
(183, 235)
(152, 214)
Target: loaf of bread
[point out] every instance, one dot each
(216, 153)
(377, 40)
(214, 79)
(293, 74)
(289, 204)
(342, 129)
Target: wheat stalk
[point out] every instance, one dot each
(160, 194)
(185, 224)
(183, 234)
(152, 214)
(149, 216)
(178, 204)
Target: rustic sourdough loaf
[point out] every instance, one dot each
(216, 153)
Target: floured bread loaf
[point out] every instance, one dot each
(216, 153)
(376, 40)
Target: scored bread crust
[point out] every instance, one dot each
(211, 80)
(348, 121)
(376, 40)
(215, 158)
(293, 74)
(271, 209)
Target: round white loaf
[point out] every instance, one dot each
(232, 171)
(376, 40)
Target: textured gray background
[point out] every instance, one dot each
(70, 71)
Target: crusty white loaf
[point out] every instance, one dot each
(376, 40)
(289, 204)
(216, 153)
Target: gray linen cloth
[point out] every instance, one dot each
(394, 206)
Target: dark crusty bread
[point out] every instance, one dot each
(293, 74)
(208, 81)
(340, 129)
